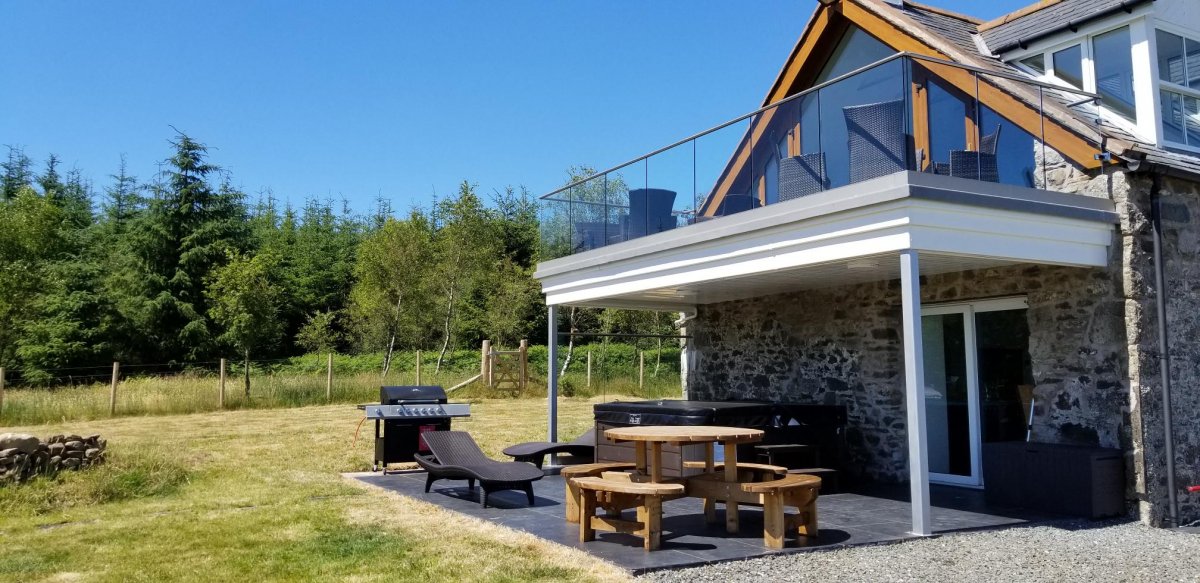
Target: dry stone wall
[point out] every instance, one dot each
(24, 456)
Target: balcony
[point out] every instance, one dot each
(903, 114)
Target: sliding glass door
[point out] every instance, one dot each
(976, 372)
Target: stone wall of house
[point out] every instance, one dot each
(842, 346)
(1180, 211)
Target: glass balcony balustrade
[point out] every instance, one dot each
(903, 113)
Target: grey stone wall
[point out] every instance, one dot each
(842, 346)
(1180, 210)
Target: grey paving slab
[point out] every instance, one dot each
(873, 515)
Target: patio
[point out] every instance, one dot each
(873, 515)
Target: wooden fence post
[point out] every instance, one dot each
(485, 367)
(221, 399)
(524, 363)
(641, 369)
(589, 369)
(112, 391)
(1, 389)
(418, 368)
(329, 378)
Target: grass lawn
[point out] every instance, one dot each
(256, 495)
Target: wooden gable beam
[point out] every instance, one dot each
(1066, 142)
(809, 55)
(825, 22)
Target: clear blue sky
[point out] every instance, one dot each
(400, 99)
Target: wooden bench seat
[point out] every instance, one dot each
(570, 473)
(798, 491)
(757, 472)
(649, 497)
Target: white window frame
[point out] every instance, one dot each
(969, 309)
(1159, 84)
(1142, 53)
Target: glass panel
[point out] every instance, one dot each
(1068, 65)
(810, 124)
(1005, 374)
(1112, 54)
(722, 170)
(1191, 107)
(856, 49)
(1172, 116)
(1036, 62)
(947, 126)
(1193, 64)
(669, 194)
(1170, 57)
(1015, 148)
(863, 125)
(947, 419)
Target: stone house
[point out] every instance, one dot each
(954, 228)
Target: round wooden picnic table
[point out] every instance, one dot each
(652, 437)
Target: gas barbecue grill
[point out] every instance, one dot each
(402, 415)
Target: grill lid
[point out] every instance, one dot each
(396, 395)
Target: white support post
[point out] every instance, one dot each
(914, 390)
(552, 376)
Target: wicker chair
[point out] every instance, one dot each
(456, 456)
(981, 165)
(802, 175)
(649, 212)
(876, 139)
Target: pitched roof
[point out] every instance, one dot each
(956, 36)
(1045, 18)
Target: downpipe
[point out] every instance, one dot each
(1164, 355)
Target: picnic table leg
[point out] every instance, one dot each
(710, 505)
(650, 515)
(639, 456)
(572, 501)
(774, 524)
(731, 475)
(587, 509)
(656, 462)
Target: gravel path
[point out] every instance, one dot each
(1071, 551)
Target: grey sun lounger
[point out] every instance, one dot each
(456, 456)
(535, 452)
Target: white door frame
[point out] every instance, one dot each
(968, 311)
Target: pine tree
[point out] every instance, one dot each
(124, 199)
(188, 231)
(17, 174)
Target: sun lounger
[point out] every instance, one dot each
(456, 456)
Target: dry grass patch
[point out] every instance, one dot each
(261, 498)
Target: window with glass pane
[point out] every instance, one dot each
(1191, 120)
(1172, 116)
(1068, 65)
(1015, 150)
(1113, 58)
(1036, 62)
(947, 124)
(1170, 57)
(1178, 72)
(1193, 63)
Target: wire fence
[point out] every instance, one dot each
(97, 391)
